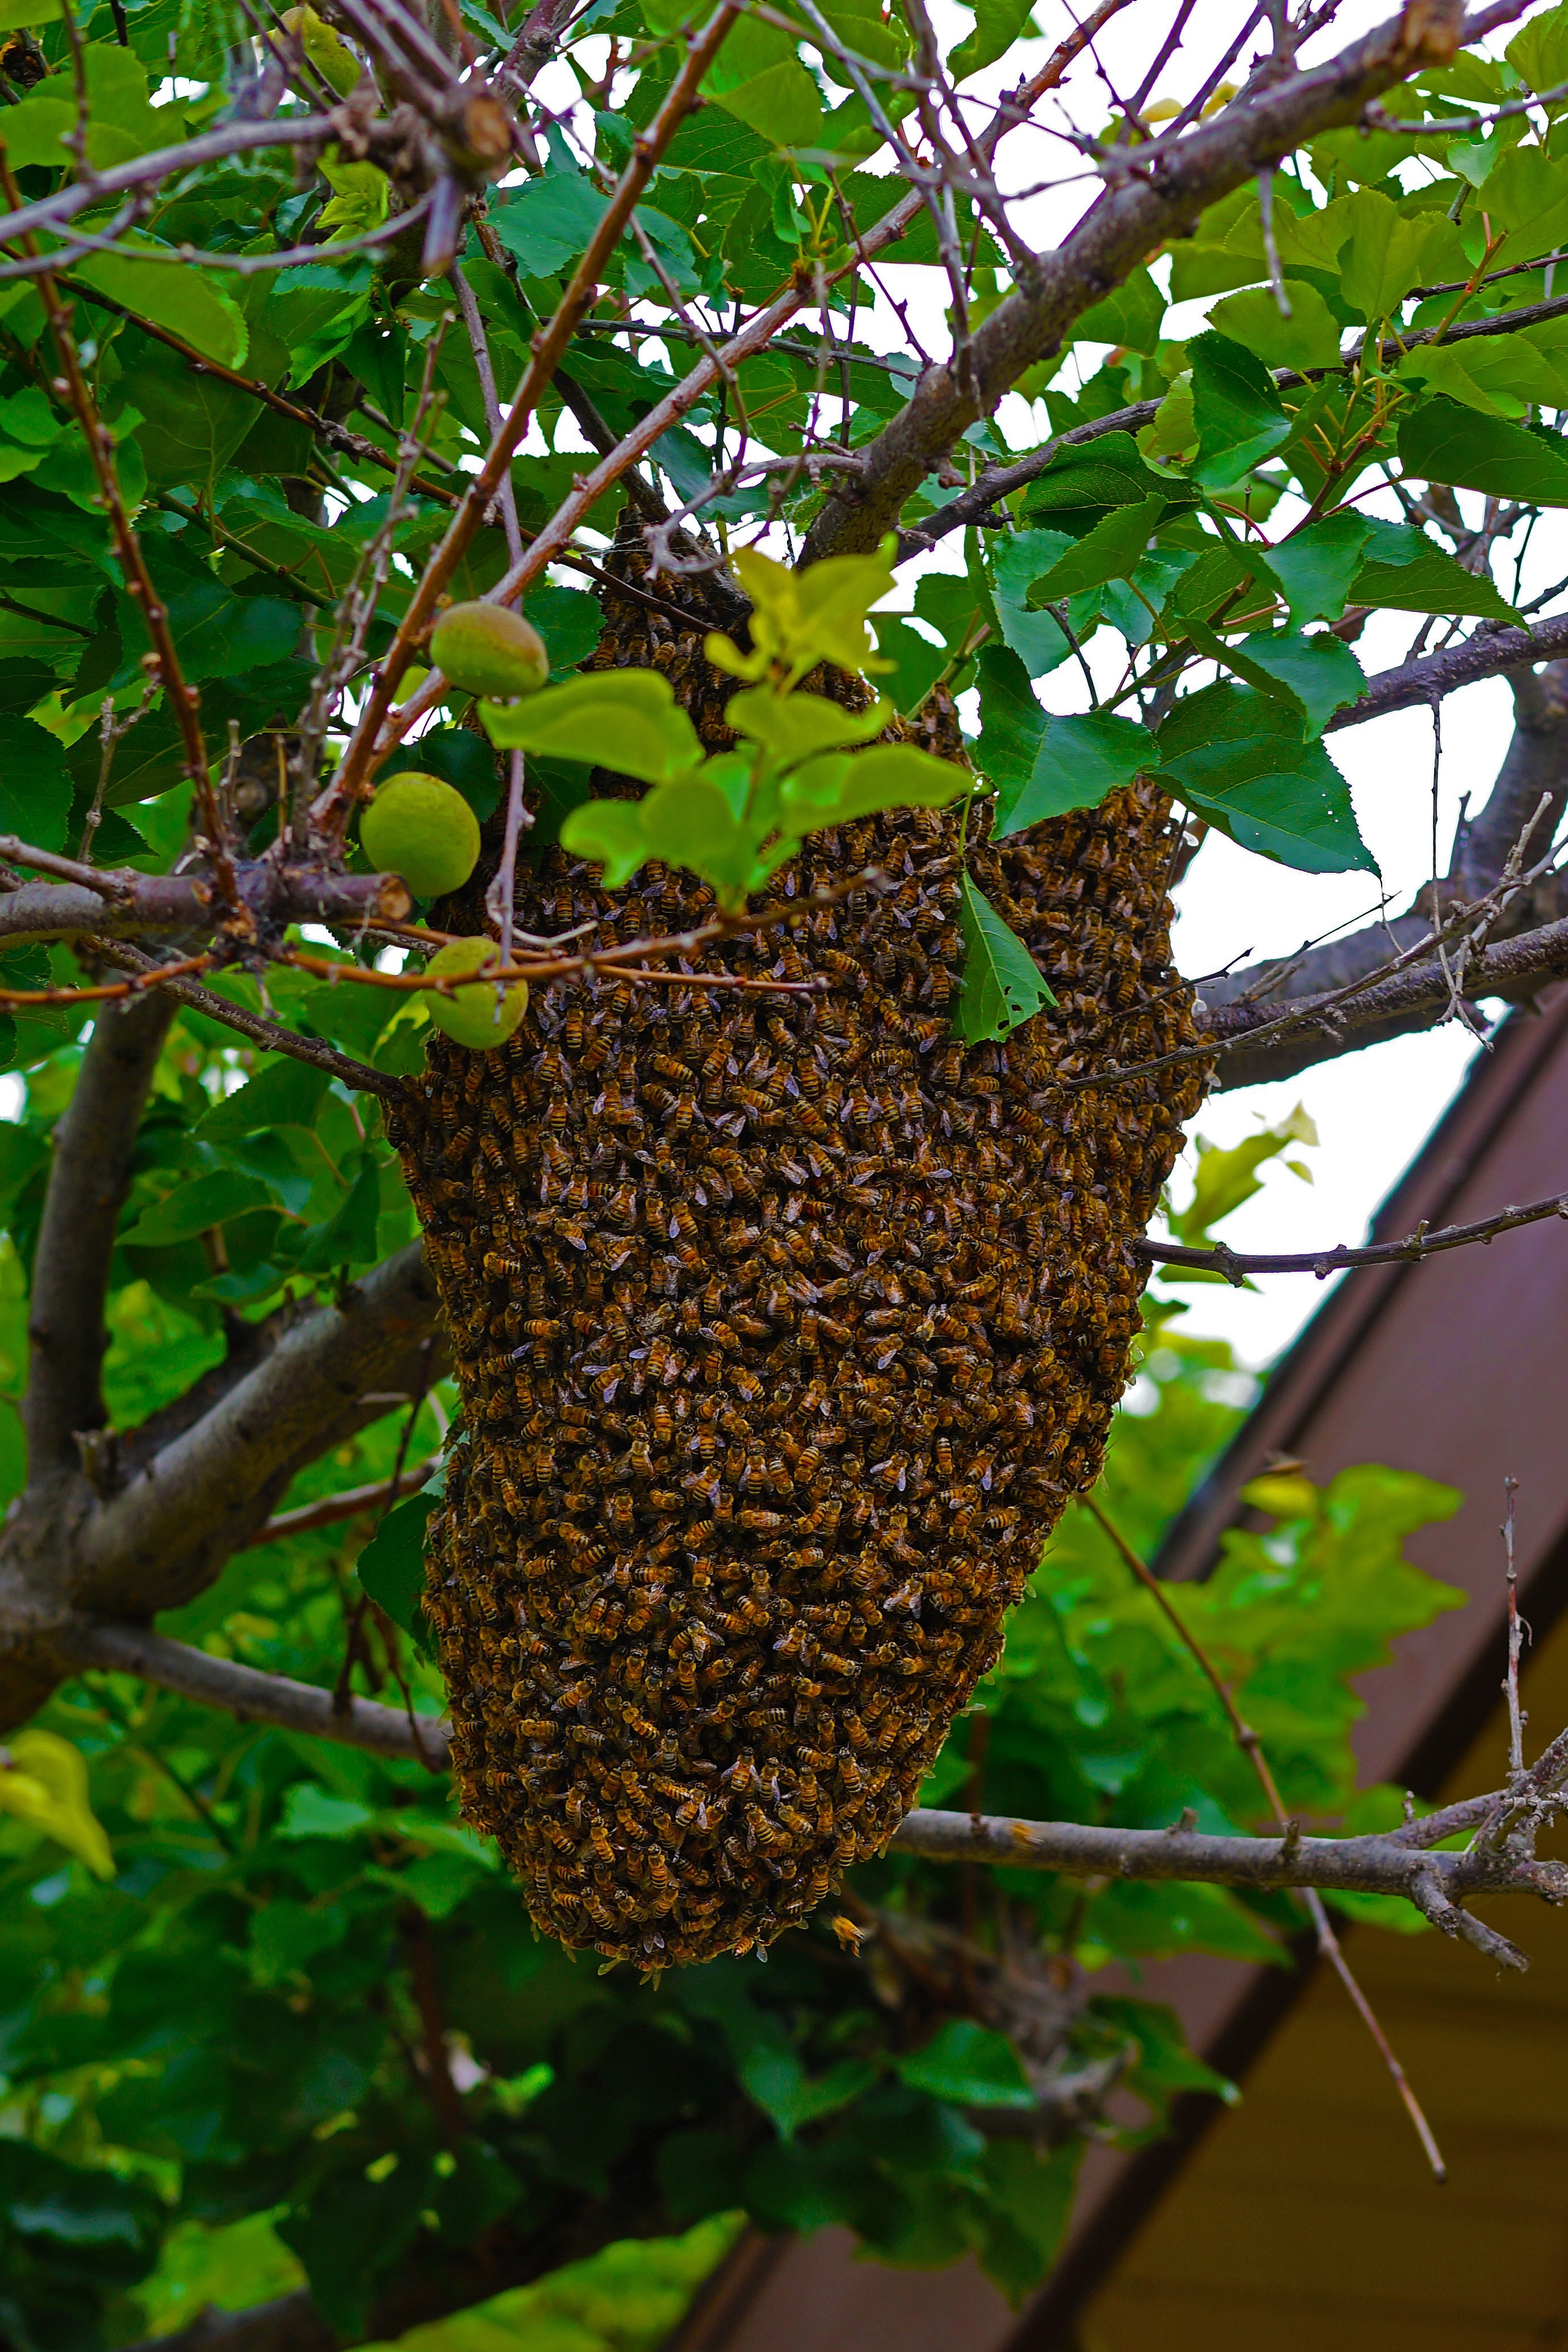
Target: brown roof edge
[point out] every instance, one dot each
(1493, 1086)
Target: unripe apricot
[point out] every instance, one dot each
(489, 649)
(419, 827)
(478, 1017)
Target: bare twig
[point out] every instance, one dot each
(1251, 1746)
(1236, 1265)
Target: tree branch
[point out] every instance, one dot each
(1237, 1266)
(92, 1147)
(1517, 823)
(119, 904)
(257, 1026)
(253, 1696)
(1418, 684)
(1438, 1883)
(204, 1493)
(1160, 192)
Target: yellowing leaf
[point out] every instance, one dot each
(805, 618)
(43, 1781)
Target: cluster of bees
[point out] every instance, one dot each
(785, 1327)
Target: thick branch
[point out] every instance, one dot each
(1438, 1883)
(118, 904)
(1417, 685)
(203, 1493)
(254, 1697)
(1161, 194)
(1517, 821)
(93, 1143)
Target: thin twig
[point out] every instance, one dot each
(1251, 1746)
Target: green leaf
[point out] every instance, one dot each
(1042, 765)
(1237, 758)
(310, 1811)
(1388, 251)
(758, 77)
(121, 121)
(1317, 675)
(915, 662)
(1002, 985)
(347, 1239)
(546, 223)
(1539, 51)
(1405, 571)
(1111, 550)
(189, 302)
(568, 619)
(460, 758)
(624, 719)
(1526, 197)
(997, 24)
(969, 2065)
(1309, 338)
(14, 13)
(1091, 475)
(609, 833)
(1238, 415)
(391, 1568)
(689, 822)
(1440, 441)
(283, 1093)
(1316, 567)
(197, 1205)
(1131, 317)
(35, 790)
(796, 726)
(805, 618)
(1018, 559)
(840, 786)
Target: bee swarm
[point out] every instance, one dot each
(785, 1327)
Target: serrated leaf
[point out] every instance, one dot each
(1387, 251)
(161, 286)
(1238, 415)
(1316, 567)
(1111, 550)
(197, 1205)
(1440, 441)
(1090, 476)
(1526, 197)
(997, 24)
(1316, 674)
(545, 223)
(1041, 765)
(121, 121)
(1309, 338)
(1002, 985)
(1405, 571)
(1237, 757)
(284, 1093)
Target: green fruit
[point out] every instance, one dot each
(419, 827)
(474, 1016)
(327, 50)
(489, 649)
